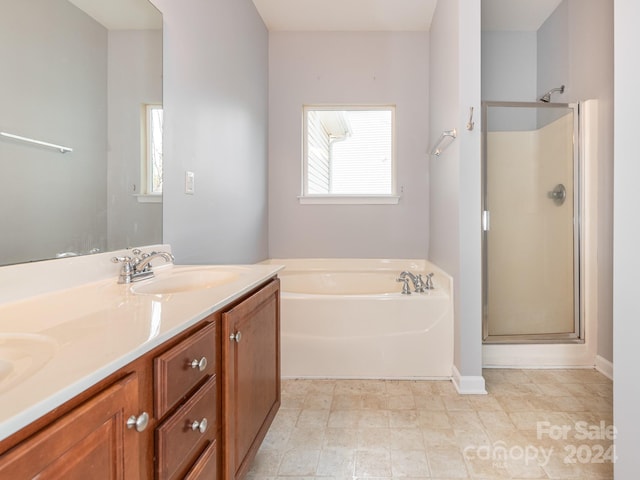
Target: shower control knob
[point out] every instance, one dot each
(236, 336)
(558, 194)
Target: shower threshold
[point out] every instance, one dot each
(533, 339)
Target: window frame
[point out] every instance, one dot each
(147, 195)
(306, 198)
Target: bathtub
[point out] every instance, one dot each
(346, 318)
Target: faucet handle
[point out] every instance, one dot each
(405, 287)
(429, 282)
(140, 254)
(121, 259)
(127, 266)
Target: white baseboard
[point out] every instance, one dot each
(468, 385)
(604, 366)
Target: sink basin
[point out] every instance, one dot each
(22, 355)
(181, 281)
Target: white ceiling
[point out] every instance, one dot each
(393, 15)
(122, 14)
(516, 15)
(346, 15)
(335, 15)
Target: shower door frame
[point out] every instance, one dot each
(577, 336)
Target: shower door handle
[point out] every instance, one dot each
(486, 221)
(558, 194)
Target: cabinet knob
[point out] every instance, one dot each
(199, 425)
(236, 336)
(199, 364)
(140, 422)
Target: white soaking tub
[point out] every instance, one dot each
(346, 318)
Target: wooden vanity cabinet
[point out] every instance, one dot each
(251, 376)
(210, 394)
(91, 441)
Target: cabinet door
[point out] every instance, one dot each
(251, 376)
(92, 441)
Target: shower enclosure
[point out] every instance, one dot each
(531, 223)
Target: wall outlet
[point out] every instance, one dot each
(189, 183)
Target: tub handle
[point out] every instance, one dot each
(429, 282)
(405, 288)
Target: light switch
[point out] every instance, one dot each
(189, 183)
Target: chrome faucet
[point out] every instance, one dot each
(138, 267)
(418, 282)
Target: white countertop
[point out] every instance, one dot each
(62, 342)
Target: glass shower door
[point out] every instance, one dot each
(531, 223)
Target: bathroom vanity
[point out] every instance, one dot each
(182, 382)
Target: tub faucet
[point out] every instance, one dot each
(418, 282)
(138, 267)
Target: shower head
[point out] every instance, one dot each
(546, 98)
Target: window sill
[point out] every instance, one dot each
(349, 200)
(146, 198)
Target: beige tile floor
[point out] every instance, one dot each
(553, 424)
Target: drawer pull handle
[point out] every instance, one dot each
(199, 364)
(140, 422)
(199, 425)
(236, 336)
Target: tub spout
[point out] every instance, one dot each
(418, 282)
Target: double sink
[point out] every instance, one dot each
(23, 354)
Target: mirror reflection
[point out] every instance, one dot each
(87, 75)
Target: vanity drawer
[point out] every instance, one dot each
(179, 370)
(206, 467)
(179, 441)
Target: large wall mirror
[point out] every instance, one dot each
(77, 74)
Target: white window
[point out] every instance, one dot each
(348, 154)
(151, 169)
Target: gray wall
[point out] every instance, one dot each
(455, 176)
(135, 78)
(509, 73)
(554, 53)
(52, 88)
(591, 60)
(215, 104)
(575, 48)
(353, 68)
(626, 308)
(509, 66)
